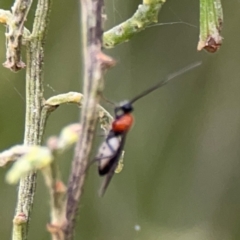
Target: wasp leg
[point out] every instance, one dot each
(95, 160)
(103, 157)
(100, 158)
(110, 156)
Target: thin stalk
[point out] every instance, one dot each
(34, 103)
(14, 33)
(94, 64)
(211, 21)
(145, 15)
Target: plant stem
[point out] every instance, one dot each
(93, 60)
(51, 104)
(14, 33)
(34, 102)
(57, 192)
(146, 14)
(211, 21)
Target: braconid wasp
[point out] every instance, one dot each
(110, 150)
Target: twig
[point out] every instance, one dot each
(34, 102)
(12, 154)
(146, 14)
(94, 65)
(35, 158)
(14, 32)
(51, 104)
(57, 190)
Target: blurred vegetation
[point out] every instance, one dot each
(181, 170)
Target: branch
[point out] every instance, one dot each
(146, 14)
(57, 190)
(34, 102)
(105, 119)
(14, 32)
(94, 63)
(6, 17)
(58, 145)
(56, 187)
(32, 158)
(12, 154)
(36, 157)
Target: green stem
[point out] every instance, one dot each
(146, 14)
(34, 103)
(105, 119)
(211, 20)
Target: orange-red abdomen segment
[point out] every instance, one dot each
(122, 124)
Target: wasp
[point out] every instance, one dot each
(110, 150)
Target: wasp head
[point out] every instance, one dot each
(123, 108)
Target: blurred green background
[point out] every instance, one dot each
(181, 176)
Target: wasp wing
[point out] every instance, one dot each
(113, 163)
(107, 152)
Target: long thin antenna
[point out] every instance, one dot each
(162, 83)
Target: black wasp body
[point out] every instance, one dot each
(110, 150)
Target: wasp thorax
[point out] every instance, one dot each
(123, 123)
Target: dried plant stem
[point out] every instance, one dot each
(94, 60)
(34, 102)
(14, 33)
